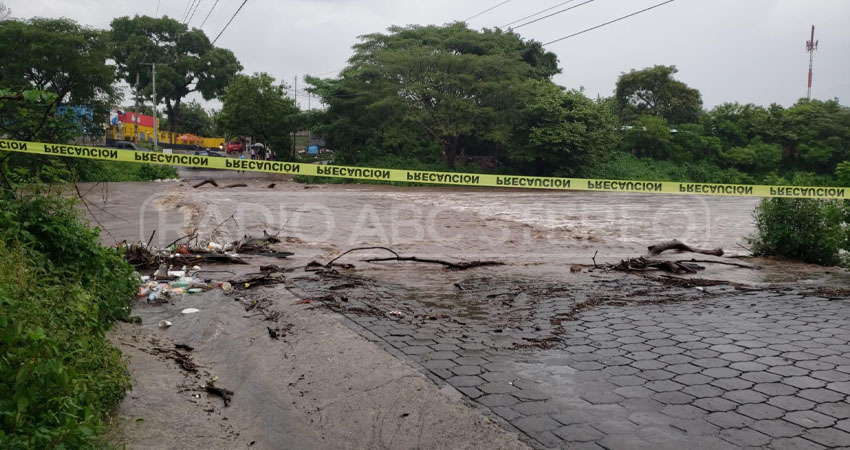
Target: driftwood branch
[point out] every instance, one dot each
(235, 185)
(456, 266)
(451, 265)
(661, 247)
(207, 181)
(708, 261)
(359, 249)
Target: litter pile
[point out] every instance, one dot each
(167, 284)
(188, 250)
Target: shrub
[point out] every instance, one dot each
(812, 231)
(60, 290)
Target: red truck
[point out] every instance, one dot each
(234, 147)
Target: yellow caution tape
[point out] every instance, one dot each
(420, 176)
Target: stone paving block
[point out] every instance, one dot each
(702, 391)
(830, 375)
(693, 379)
(732, 384)
(683, 411)
(744, 396)
(649, 364)
(534, 408)
(601, 397)
(842, 387)
(804, 382)
(506, 413)
(729, 419)
(530, 394)
(744, 437)
(778, 428)
(471, 361)
(415, 350)
(775, 389)
(761, 377)
(843, 425)
(830, 438)
(721, 372)
(748, 366)
(497, 388)
(440, 355)
(633, 392)
(627, 380)
(809, 419)
(839, 410)
(536, 424)
(579, 433)
(715, 404)
(821, 395)
(493, 400)
(788, 371)
(710, 363)
(673, 398)
(620, 370)
(795, 443)
(470, 392)
(655, 375)
(465, 381)
(760, 411)
(663, 386)
(438, 364)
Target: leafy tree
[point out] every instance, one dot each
(451, 85)
(48, 62)
(817, 135)
(196, 120)
(757, 157)
(255, 106)
(649, 137)
(736, 124)
(692, 144)
(187, 61)
(562, 131)
(653, 91)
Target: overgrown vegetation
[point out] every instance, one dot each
(813, 231)
(60, 290)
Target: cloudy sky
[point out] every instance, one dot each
(731, 50)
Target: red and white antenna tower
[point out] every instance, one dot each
(811, 47)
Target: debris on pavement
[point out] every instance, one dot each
(225, 394)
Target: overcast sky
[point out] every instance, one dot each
(731, 50)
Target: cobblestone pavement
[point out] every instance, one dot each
(626, 364)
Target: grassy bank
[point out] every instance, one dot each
(60, 291)
(34, 168)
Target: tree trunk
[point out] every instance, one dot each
(450, 150)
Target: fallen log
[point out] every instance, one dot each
(234, 185)
(207, 181)
(662, 247)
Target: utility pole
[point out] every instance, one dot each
(136, 113)
(153, 96)
(295, 133)
(811, 48)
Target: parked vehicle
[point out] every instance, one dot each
(234, 146)
(124, 145)
(208, 152)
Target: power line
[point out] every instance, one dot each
(193, 12)
(553, 14)
(156, 14)
(189, 5)
(610, 22)
(538, 12)
(231, 20)
(208, 14)
(488, 10)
